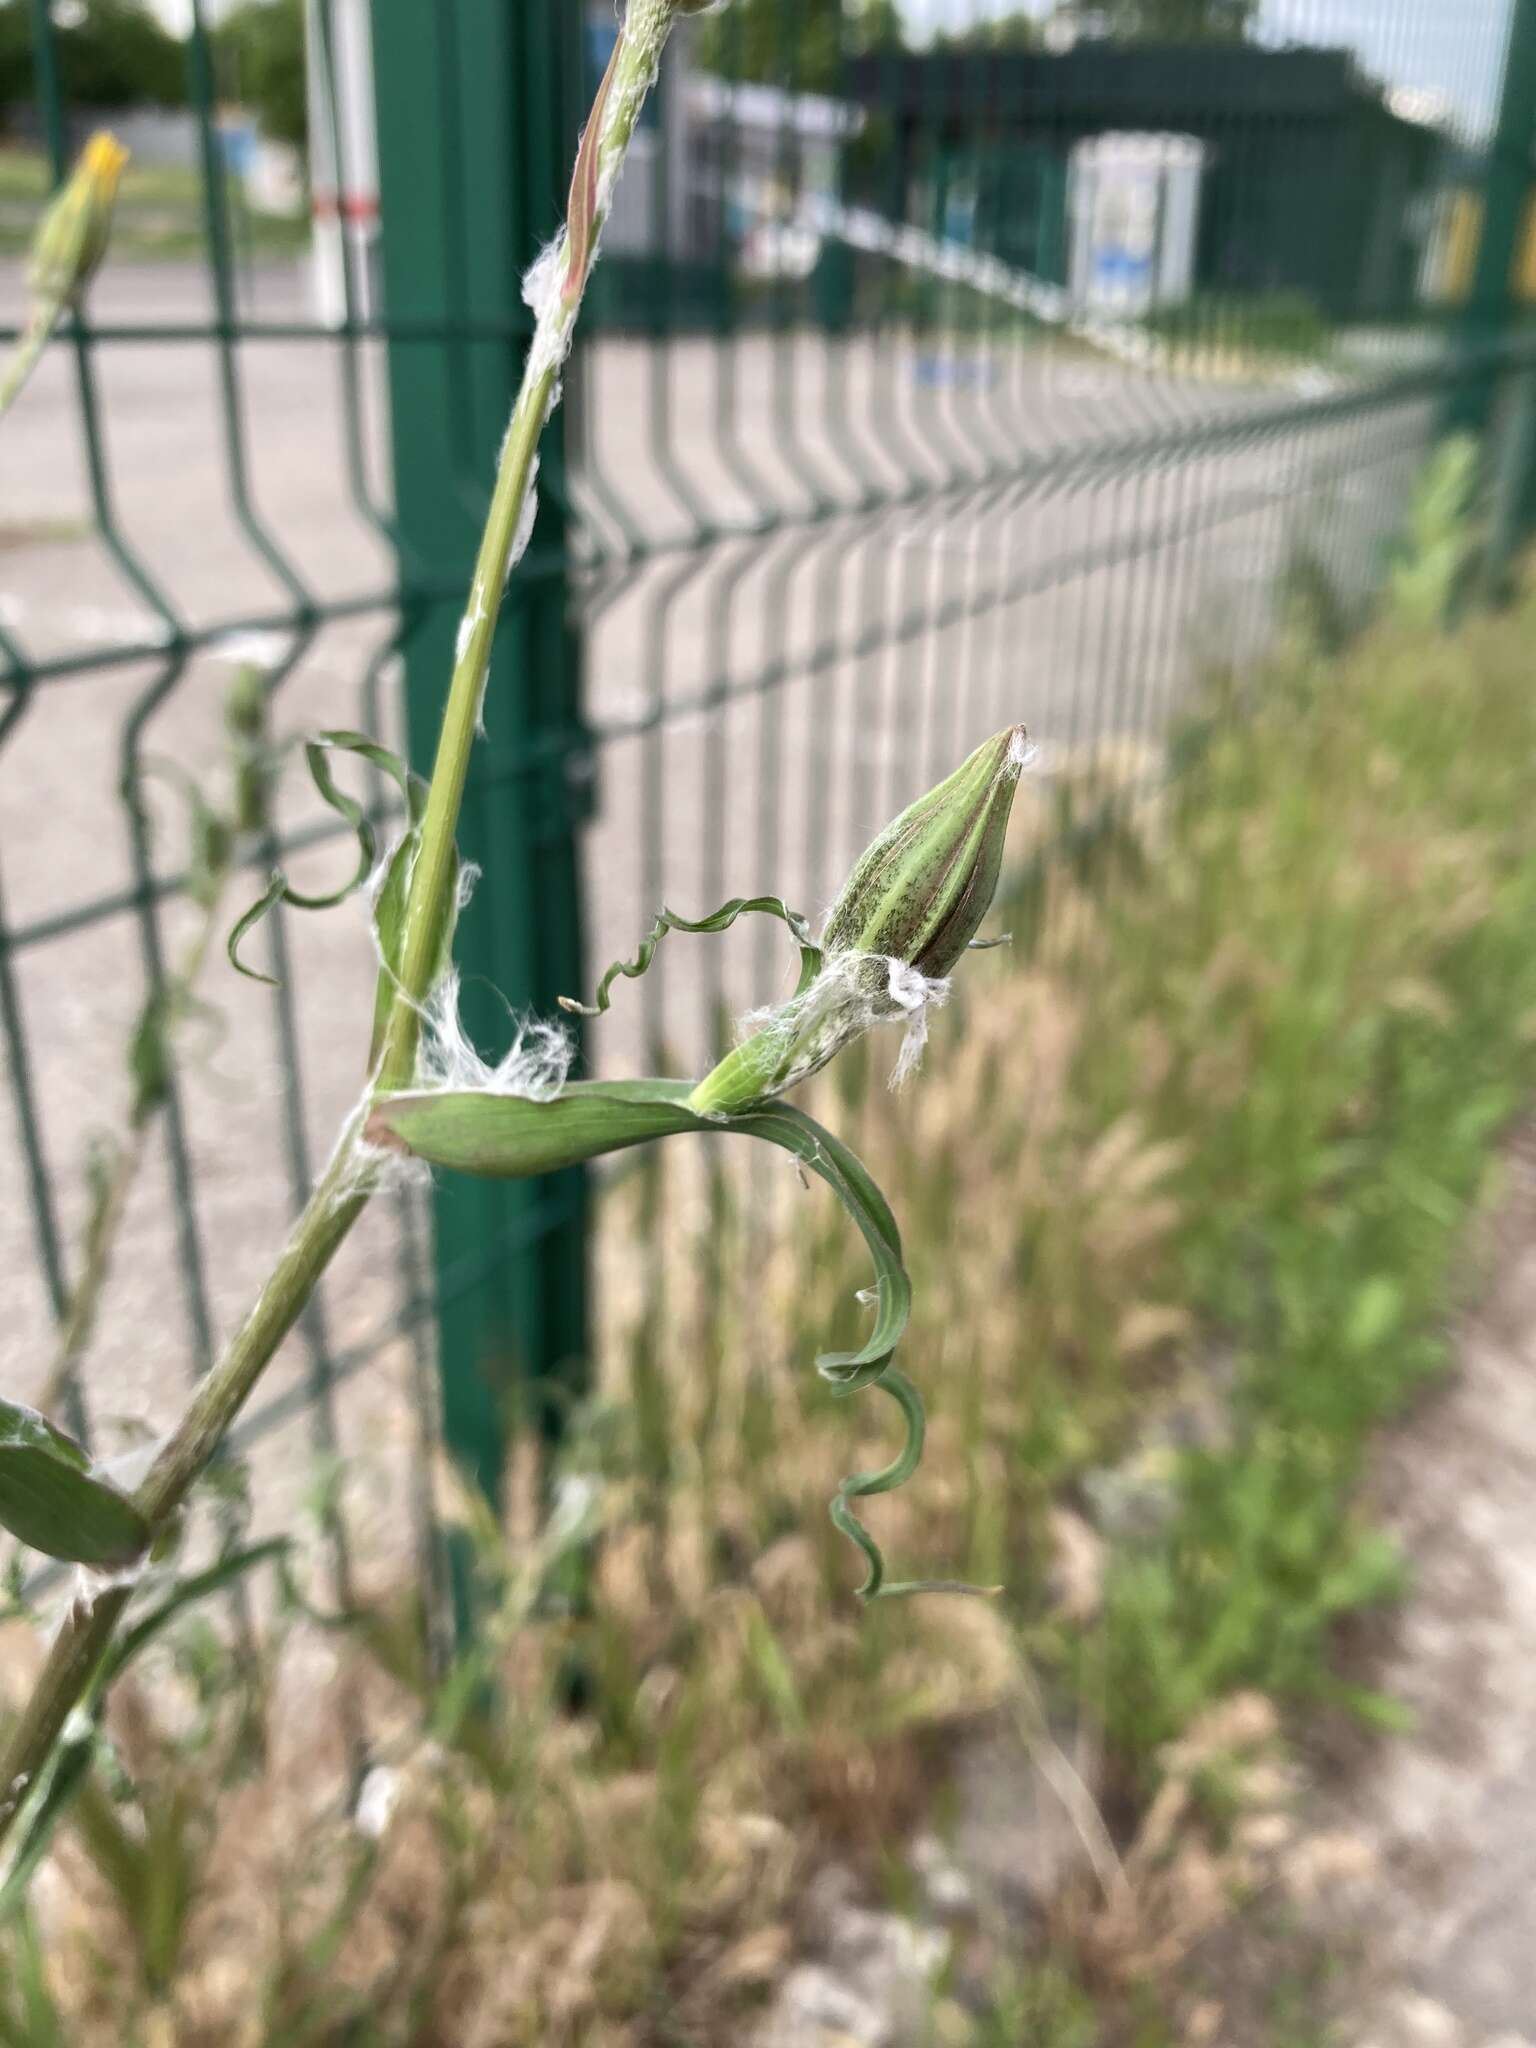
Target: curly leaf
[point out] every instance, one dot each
(410, 785)
(859, 1485)
(271, 896)
(721, 920)
(51, 1500)
(510, 1137)
(317, 752)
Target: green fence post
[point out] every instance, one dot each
(1506, 191)
(474, 150)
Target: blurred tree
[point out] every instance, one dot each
(117, 53)
(15, 56)
(1157, 21)
(793, 42)
(261, 63)
(1003, 32)
(112, 53)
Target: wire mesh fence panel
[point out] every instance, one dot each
(949, 366)
(196, 481)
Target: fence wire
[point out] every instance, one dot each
(947, 367)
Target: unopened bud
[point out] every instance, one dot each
(921, 891)
(71, 237)
(906, 914)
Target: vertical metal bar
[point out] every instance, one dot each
(52, 110)
(18, 1067)
(519, 1330)
(1506, 192)
(220, 259)
(1513, 482)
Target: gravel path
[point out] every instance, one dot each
(1445, 1815)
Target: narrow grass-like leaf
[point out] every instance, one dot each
(721, 920)
(52, 1501)
(37, 2022)
(66, 1772)
(779, 1123)
(186, 1593)
(71, 1762)
(389, 932)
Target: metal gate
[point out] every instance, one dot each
(944, 371)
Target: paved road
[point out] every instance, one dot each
(1078, 601)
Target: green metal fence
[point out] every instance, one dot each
(910, 405)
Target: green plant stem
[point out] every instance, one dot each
(25, 358)
(431, 878)
(615, 110)
(343, 1193)
(87, 1630)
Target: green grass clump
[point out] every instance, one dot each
(1334, 957)
(1277, 324)
(1208, 1166)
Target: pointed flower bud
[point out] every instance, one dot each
(921, 891)
(907, 913)
(70, 241)
(71, 237)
